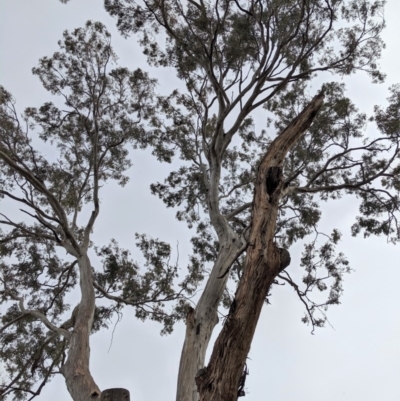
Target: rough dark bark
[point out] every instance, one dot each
(219, 381)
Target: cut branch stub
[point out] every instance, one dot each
(115, 394)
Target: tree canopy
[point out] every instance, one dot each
(233, 58)
(249, 195)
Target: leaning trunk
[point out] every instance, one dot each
(219, 381)
(80, 383)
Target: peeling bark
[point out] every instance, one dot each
(219, 381)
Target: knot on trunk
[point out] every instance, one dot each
(200, 373)
(201, 378)
(284, 259)
(190, 320)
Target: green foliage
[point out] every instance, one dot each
(236, 56)
(249, 35)
(103, 112)
(314, 261)
(31, 268)
(147, 292)
(233, 57)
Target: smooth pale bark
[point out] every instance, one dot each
(220, 379)
(80, 382)
(201, 321)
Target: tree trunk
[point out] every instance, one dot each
(80, 382)
(219, 381)
(201, 321)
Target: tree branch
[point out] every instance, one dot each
(40, 316)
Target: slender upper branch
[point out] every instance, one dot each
(57, 208)
(40, 316)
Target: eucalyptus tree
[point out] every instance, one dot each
(251, 195)
(54, 163)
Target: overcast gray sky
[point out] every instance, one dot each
(357, 360)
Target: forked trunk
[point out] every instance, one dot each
(201, 321)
